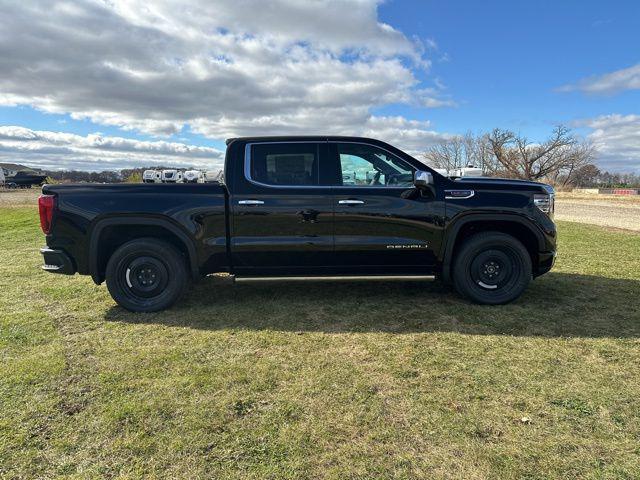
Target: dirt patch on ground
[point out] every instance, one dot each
(600, 211)
(19, 197)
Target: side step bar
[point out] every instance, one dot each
(335, 278)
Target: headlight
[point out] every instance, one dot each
(545, 202)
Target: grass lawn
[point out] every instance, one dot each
(344, 380)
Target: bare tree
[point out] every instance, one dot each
(505, 153)
(460, 151)
(446, 155)
(587, 175)
(575, 161)
(557, 157)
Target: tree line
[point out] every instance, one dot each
(563, 159)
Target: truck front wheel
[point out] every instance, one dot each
(492, 268)
(146, 275)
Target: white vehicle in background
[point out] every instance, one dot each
(152, 176)
(193, 176)
(468, 171)
(213, 176)
(2, 179)
(172, 176)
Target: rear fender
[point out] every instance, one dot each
(98, 229)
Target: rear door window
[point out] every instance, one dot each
(285, 164)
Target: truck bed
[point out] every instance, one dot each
(196, 211)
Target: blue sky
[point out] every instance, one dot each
(95, 85)
(507, 59)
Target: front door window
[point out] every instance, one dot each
(369, 166)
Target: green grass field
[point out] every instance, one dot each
(344, 380)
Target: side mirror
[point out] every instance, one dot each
(422, 179)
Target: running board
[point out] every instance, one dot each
(337, 278)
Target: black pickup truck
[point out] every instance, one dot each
(303, 207)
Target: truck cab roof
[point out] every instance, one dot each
(303, 138)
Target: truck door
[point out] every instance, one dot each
(383, 224)
(282, 209)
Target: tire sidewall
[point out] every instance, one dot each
(162, 251)
(482, 242)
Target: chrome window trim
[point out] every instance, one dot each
(247, 166)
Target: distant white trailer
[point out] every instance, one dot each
(193, 176)
(2, 179)
(152, 176)
(172, 176)
(469, 171)
(213, 176)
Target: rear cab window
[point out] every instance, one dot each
(284, 164)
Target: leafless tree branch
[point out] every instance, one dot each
(505, 153)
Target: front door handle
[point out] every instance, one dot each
(350, 202)
(250, 202)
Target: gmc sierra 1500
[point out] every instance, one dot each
(303, 207)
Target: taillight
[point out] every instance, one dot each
(46, 206)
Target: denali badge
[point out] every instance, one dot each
(413, 245)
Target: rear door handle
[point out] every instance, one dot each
(350, 202)
(250, 202)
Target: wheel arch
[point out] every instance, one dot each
(517, 226)
(110, 233)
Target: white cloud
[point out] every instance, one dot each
(410, 135)
(617, 139)
(56, 150)
(609, 83)
(336, 25)
(224, 68)
(59, 150)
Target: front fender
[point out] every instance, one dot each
(455, 226)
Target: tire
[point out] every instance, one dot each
(491, 268)
(146, 275)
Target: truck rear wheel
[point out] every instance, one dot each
(492, 268)
(146, 275)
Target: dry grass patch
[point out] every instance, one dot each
(18, 197)
(592, 197)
